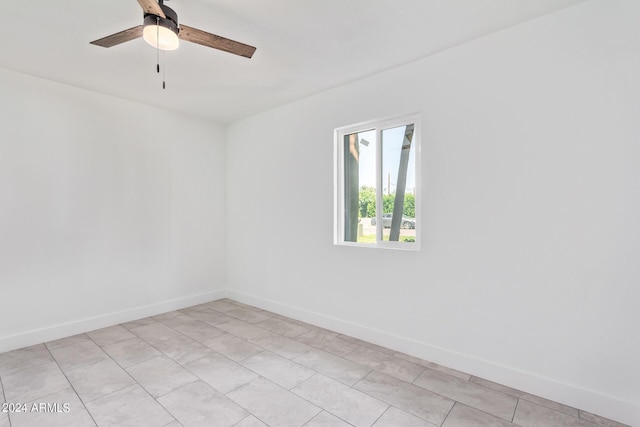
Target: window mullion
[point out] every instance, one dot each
(379, 201)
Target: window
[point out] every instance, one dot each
(376, 184)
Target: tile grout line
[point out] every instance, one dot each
(391, 405)
(120, 366)
(531, 398)
(143, 387)
(382, 414)
(162, 354)
(455, 402)
(277, 385)
(261, 376)
(4, 396)
(415, 385)
(164, 407)
(136, 382)
(515, 411)
(71, 384)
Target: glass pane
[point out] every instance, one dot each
(398, 184)
(360, 187)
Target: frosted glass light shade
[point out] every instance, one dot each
(160, 37)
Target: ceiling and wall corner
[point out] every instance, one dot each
(303, 47)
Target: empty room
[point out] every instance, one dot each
(337, 213)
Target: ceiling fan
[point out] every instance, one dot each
(161, 30)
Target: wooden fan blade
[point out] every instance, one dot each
(152, 7)
(211, 40)
(121, 37)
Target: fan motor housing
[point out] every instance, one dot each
(171, 20)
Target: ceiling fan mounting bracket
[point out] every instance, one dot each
(171, 20)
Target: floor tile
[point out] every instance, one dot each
(408, 397)
(222, 305)
(395, 417)
(283, 346)
(183, 349)
(138, 323)
(34, 383)
(329, 343)
(325, 419)
(273, 404)
(386, 363)
(131, 406)
(198, 404)
(212, 317)
(434, 366)
(23, 358)
(283, 327)
(250, 421)
(179, 320)
(600, 420)
(155, 333)
(110, 335)
(99, 379)
(276, 368)
(350, 405)
(165, 316)
(131, 352)
(362, 343)
(4, 420)
(247, 315)
(233, 347)
(311, 327)
(471, 394)
(529, 414)
(199, 307)
(161, 375)
(243, 329)
(199, 331)
(56, 414)
(75, 339)
(221, 373)
(464, 416)
(247, 306)
(522, 395)
(335, 367)
(78, 355)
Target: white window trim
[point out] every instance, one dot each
(338, 180)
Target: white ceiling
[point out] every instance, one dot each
(303, 46)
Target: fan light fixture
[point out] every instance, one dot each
(162, 33)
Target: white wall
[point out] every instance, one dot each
(109, 210)
(529, 272)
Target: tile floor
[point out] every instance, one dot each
(228, 364)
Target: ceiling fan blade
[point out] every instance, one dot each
(121, 37)
(211, 40)
(152, 7)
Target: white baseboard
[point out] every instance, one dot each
(592, 401)
(51, 333)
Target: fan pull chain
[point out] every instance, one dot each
(164, 69)
(158, 44)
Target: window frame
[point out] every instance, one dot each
(379, 125)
